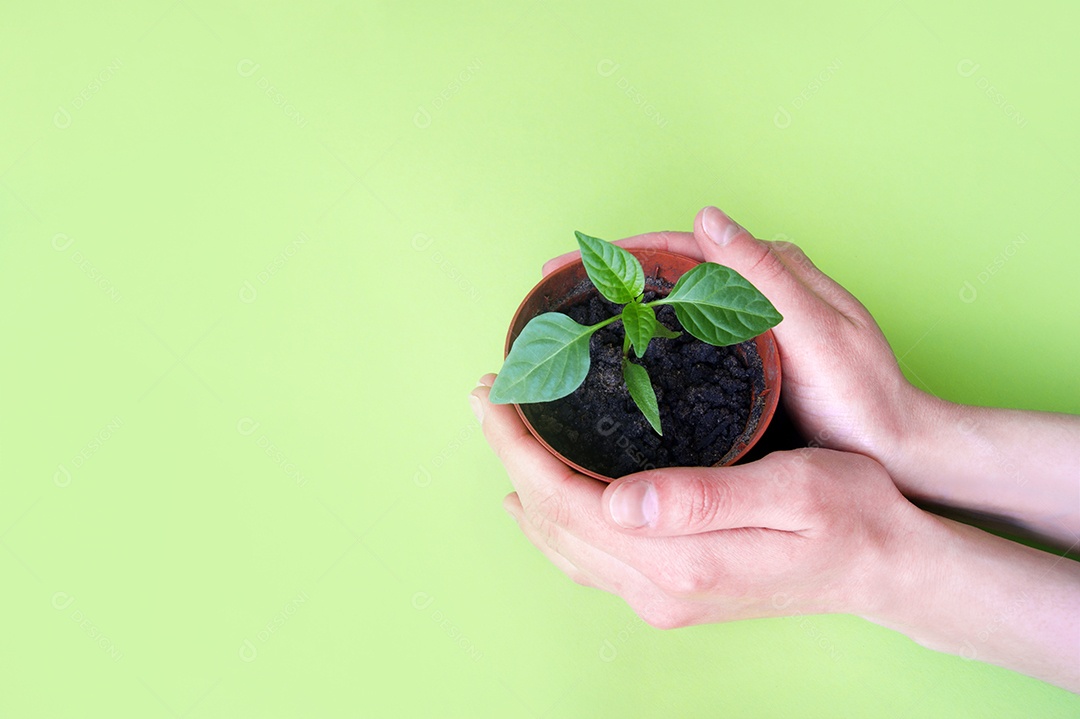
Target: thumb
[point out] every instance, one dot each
(693, 500)
(724, 241)
(806, 314)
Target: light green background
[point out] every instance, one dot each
(253, 259)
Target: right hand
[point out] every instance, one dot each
(841, 381)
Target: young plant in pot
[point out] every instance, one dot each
(618, 367)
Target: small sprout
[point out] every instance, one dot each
(550, 358)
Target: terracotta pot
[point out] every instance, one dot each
(570, 283)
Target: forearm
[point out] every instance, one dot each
(959, 590)
(1023, 467)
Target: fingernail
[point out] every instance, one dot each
(477, 407)
(720, 228)
(634, 505)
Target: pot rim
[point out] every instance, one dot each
(765, 342)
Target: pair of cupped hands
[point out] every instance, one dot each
(813, 530)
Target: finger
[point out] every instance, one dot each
(544, 483)
(681, 243)
(602, 569)
(556, 498)
(665, 587)
(556, 262)
(563, 511)
(800, 265)
(724, 241)
(681, 501)
(515, 447)
(512, 504)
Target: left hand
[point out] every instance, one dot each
(809, 531)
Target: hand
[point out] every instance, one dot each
(816, 531)
(841, 381)
(842, 385)
(811, 530)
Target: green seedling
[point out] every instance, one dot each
(550, 358)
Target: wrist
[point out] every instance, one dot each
(901, 568)
(912, 450)
(959, 590)
(910, 571)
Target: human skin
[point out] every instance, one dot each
(844, 388)
(819, 530)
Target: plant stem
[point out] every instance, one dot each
(605, 323)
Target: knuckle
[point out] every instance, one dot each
(788, 467)
(662, 621)
(549, 516)
(503, 450)
(580, 578)
(680, 581)
(704, 501)
(662, 616)
(795, 257)
(809, 489)
(553, 509)
(767, 265)
(814, 499)
(787, 247)
(548, 534)
(794, 254)
(830, 479)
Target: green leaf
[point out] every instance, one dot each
(641, 391)
(640, 323)
(614, 271)
(662, 331)
(548, 360)
(719, 306)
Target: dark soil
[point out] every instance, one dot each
(704, 395)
